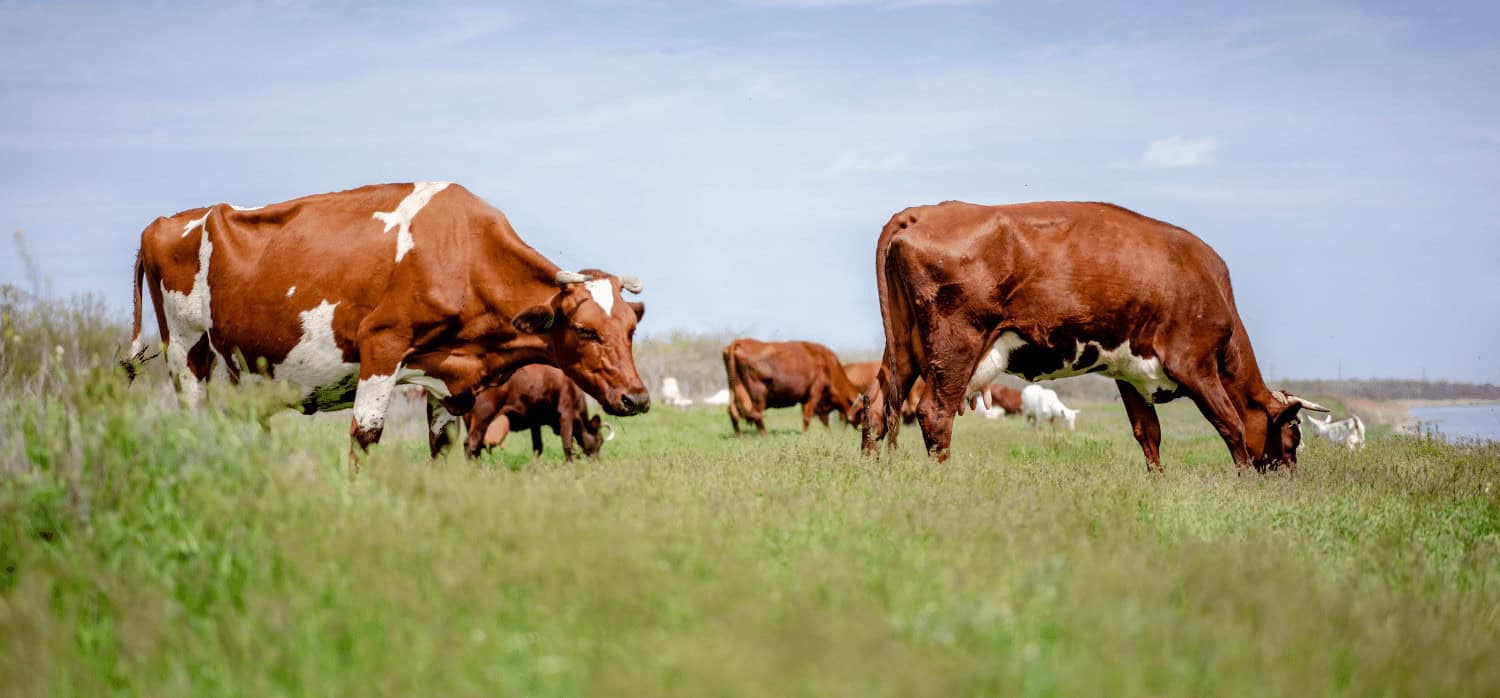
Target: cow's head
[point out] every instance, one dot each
(1283, 433)
(589, 329)
(593, 435)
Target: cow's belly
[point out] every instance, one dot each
(1012, 354)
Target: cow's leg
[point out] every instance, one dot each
(190, 366)
(536, 440)
(565, 431)
(809, 409)
(823, 417)
(380, 361)
(883, 411)
(1144, 423)
(734, 413)
(440, 423)
(478, 424)
(1203, 385)
(953, 353)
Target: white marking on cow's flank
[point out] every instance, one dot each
(995, 361)
(290, 291)
(401, 218)
(1120, 363)
(604, 294)
(189, 315)
(316, 360)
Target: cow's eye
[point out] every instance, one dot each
(587, 334)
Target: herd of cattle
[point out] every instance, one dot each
(348, 294)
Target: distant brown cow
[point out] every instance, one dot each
(862, 374)
(1047, 290)
(782, 374)
(347, 294)
(536, 396)
(996, 395)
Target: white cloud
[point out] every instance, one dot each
(1176, 151)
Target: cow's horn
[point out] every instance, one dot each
(611, 428)
(1309, 404)
(631, 284)
(565, 277)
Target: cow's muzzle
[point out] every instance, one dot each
(636, 402)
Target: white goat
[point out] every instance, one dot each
(1038, 403)
(672, 394)
(1349, 433)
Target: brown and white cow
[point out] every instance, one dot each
(765, 375)
(1047, 290)
(347, 294)
(535, 396)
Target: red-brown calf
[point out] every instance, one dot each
(536, 396)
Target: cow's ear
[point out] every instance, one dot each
(639, 308)
(534, 320)
(594, 423)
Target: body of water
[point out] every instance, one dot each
(1463, 421)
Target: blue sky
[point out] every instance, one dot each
(741, 157)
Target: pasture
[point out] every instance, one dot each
(148, 551)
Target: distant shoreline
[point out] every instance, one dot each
(1456, 402)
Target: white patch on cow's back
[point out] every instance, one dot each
(290, 291)
(195, 223)
(603, 292)
(246, 208)
(316, 360)
(401, 218)
(995, 361)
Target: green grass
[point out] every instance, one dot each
(147, 551)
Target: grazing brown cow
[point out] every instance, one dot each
(347, 294)
(1047, 290)
(782, 374)
(535, 396)
(996, 395)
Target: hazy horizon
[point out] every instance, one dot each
(741, 157)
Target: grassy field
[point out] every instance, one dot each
(153, 552)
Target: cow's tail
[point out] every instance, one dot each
(739, 396)
(137, 356)
(894, 381)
